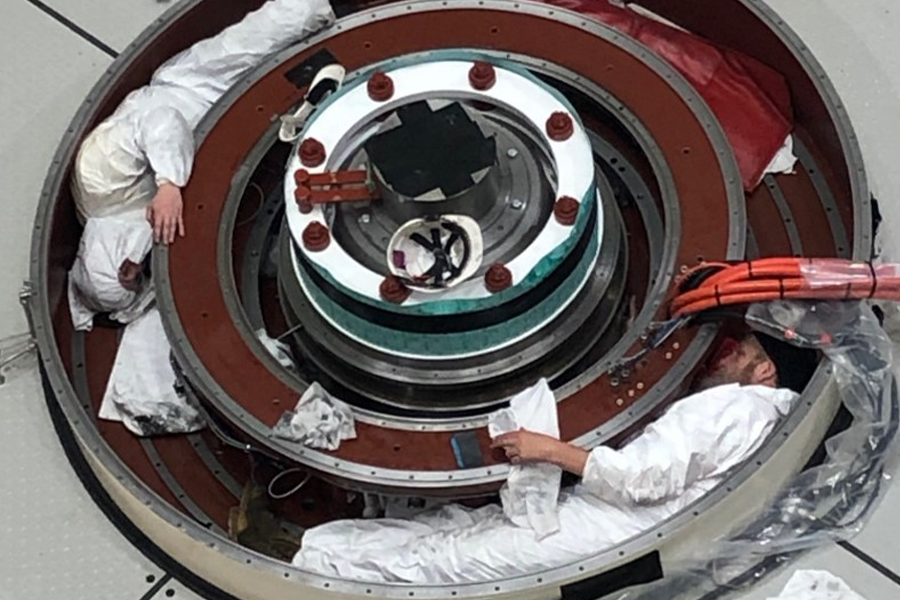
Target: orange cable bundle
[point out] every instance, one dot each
(787, 278)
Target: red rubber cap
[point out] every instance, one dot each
(312, 153)
(301, 176)
(380, 87)
(566, 210)
(393, 290)
(482, 75)
(497, 278)
(560, 127)
(316, 237)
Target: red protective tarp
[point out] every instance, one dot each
(751, 101)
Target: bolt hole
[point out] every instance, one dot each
(170, 592)
(367, 45)
(495, 30)
(151, 578)
(397, 447)
(686, 150)
(260, 108)
(200, 207)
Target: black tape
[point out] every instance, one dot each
(642, 570)
(303, 74)
(467, 450)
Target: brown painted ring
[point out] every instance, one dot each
(191, 264)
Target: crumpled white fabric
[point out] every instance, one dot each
(280, 351)
(141, 391)
(531, 492)
(816, 585)
(94, 277)
(701, 438)
(784, 160)
(318, 421)
(149, 138)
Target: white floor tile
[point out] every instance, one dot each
(114, 22)
(865, 581)
(46, 72)
(55, 541)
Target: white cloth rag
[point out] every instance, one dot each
(816, 585)
(94, 285)
(280, 351)
(531, 493)
(141, 391)
(319, 421)
(784, 161)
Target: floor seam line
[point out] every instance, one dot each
(159, 585)
(870, 561)
(74, 27)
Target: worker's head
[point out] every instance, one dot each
(107, 276)
(739, 360)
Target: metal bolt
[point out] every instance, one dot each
(365, 218)
(619, 401)
(517, 204)
(512, 153)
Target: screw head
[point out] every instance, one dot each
(380, 87)
(517, 204)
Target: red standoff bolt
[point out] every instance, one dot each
(380, 87)
(566, 210)
(393, 290)
(497, 278)
(316, 237)
(560, 126)
(303, 197)
(482, 76)
(312, 153)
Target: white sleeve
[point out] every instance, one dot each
(212, 66)
(701, 436)
(167, 141)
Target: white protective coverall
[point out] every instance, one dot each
(141, 389)
(674, 462)
(149, 139)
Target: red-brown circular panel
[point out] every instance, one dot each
(193, 261)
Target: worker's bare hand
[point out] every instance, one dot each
(165, 214)
(527, 447)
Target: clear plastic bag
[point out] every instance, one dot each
(826, 503)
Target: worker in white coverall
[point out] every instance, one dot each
(127, 187)
(133, 166)
(675, 461)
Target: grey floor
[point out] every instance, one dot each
(54, 544)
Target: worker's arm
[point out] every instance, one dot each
(528, 447)
(165, 138)
(700, 437)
